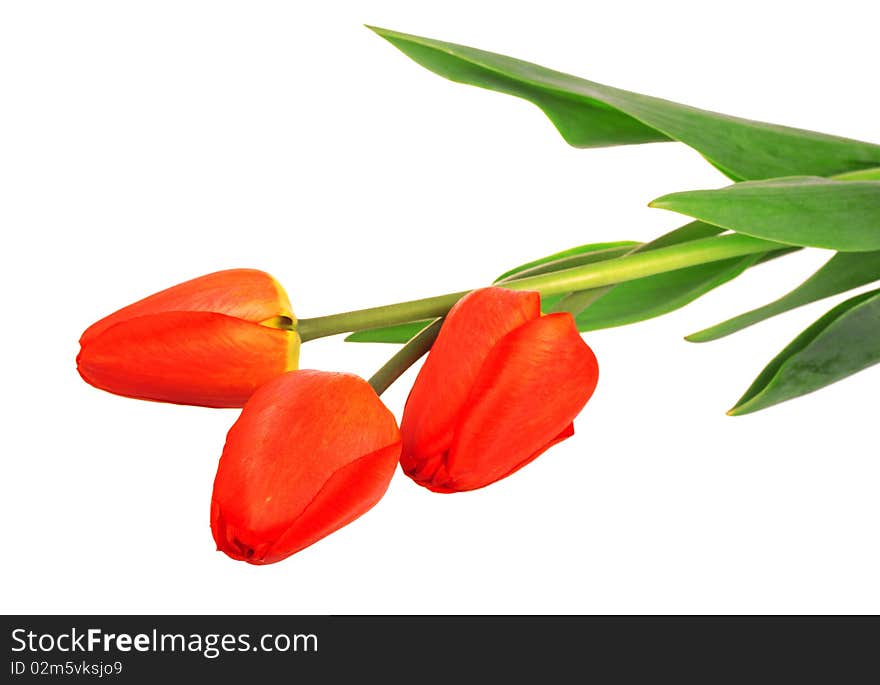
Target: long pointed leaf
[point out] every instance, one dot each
(646, 298)
(844, 271)
(844, 341)
(650, 297)
(589, 114)
(806, 211)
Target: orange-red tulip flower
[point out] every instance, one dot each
(501, 384)
(210, 341)
(310, 453)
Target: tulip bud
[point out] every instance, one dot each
(310, 453)
(501, 384)
(210, 341)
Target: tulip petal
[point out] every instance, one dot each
(532, 385)
(310, 453)
(470, 331)
(246, 294)
(349, 493)
(202, 358)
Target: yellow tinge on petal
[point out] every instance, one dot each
(284, 307)
(293, 344)
(286, 321)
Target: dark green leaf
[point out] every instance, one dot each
(844, 341)
(589, 114)
(844, 271)
(807, 211)
(646, 298)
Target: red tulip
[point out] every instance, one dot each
(210, 341)
(501, 384)
(310, 453)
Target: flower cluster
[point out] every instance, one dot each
(313, 450)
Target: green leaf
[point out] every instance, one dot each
(590, 114)
(400, 333)
(844, 271)
(575, 256)
(807, 211)
(645, 298)
(843, 342)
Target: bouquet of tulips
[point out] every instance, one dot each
(507, 370)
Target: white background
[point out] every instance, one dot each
(142, 144)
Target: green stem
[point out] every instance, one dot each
(626, 268)
(408, 355)
(569, 262)
(374, 317)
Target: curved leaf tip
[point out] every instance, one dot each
(844, 341)
(590, 114)
(844, 271)
(805, 211)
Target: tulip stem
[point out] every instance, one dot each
(374, 317)
(596, 275)
(408, 355)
